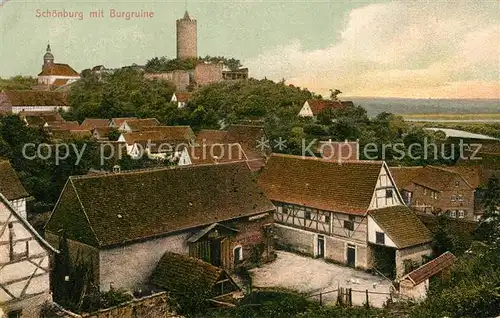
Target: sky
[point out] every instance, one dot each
(407, 49)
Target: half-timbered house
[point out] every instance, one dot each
(350, 213)
(123, 223)
(12, 189)
(24, 265)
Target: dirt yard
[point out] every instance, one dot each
(312, 276)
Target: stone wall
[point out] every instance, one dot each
(154, 306)
(294, 239)
(415, 254)
(205, 74)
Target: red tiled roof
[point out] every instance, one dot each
(209, 137)
(105, 210)
(119, 121)
(317, 105)
(138, 124)
(182, 97)
(60, 82)
(325, 185)
(35, 98)
(436, 178)
(10, 186)
(249, 137)
(216, 154)
(431, 268)
(404, 176)
(58, 69)
(184, 133)
(91, 123)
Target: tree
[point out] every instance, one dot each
(334, 94)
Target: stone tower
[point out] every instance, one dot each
(48, 58)
(186, 37)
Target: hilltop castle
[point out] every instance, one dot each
(186, 37)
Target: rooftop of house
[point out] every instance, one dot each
(431, 268)
(10, 185)
(216, 154)
(138, 124)
(173, 132)
(36, 98)
(250, 137)
(91, 123)
(404, 176)
(60, 82)
(209, 137)
(182, 96)
(318, 105)
(438, 178)
(178, 273)
(320, 184)
(119, 121)
(58, 69)
(106, 210)
(402, 226)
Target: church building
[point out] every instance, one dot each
(56, 74)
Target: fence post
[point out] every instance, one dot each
(320, 299)
(367, 304)
(350, 297)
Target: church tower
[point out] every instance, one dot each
(186, 37)
(48, 58)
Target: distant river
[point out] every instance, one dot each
(463, 121)
(403, 106)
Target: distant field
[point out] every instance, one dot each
(452, 116)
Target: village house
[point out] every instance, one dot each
(91, 123)
(135, 125)
(16, 101)
(117, 122)
(180, 98)
(123, 223)
(101, 133)
(456, 191)
(40, 119)
(12, 189)
(313, 107)
(56, 74)
(351, 213)
(24, 265)
(415, 284)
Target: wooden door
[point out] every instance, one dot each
(321, 246)
(351, 255)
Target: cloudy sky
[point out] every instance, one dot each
(414, 49)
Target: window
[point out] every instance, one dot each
(237, 254)
(14, 314)
(388, 193)
(380, 238)
(461, 214)
(453, 214)
(285, 209)
(349, 224)
(327, 218)
(280, 209)
(457, 183)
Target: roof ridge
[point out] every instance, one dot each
(282, 155)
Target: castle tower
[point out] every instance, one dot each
(48, 58)
(186, 37)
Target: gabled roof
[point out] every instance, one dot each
(209, 137)
(476, 176)
(402, 225)
(437, 178)
(47, 116)
(173, 132)
(35, 98)
(115, 209)
(65, 125)
(143, 136)
(318, 105)
(10, 186)
(250, 138)
(138, 124)
(94, 123)
(182, 97)
(181, 274)
(404, 176)
(431, 268)
(60, 82)
(58, 69)
(119, 121)
(216, 154)
(4, 201)
(320, 184)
